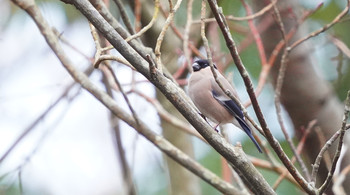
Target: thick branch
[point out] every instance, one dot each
(81, 78)
(178, 98)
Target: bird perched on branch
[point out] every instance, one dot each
(212, 101)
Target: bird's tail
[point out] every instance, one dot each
(248, 132)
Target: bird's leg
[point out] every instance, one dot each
(216, 127)
(205, 118)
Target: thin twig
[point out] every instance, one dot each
(280, 79)
(324, 28)
(290, 34)
(266, 69)
(341, 46)
(256, 34)
(114, 58)
(178, 34)
(318, 159)
(65, 41)
(162, 34)
(164, 114)
(299, 150)
(132, 110)
(328, 180)
(127, 175)
(186, 36)
(340, 59)
(249, 86)
(39, 118)
(261, 50)
(279, 169)
(337, 185)
(248, 17)
(137, 13)
(149, 25)
(322, 141)
(125, 17)
(116, 26)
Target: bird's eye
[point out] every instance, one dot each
(196, 67)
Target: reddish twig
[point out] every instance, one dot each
(178, 34)
(249, 16)
(299, 150)
(137, 13)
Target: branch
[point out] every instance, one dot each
(172, 92)
(115, 124)
(250, 16)
(298, 149)
(165, 115)
(324, 28)
(162, 33)
(149, 25)
(186, 36)
(280, 79)
(177, 97)
(340, 145)
(125, 17)
(39, 118)
(247, 81)
(337, 186)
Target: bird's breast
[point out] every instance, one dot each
(203, 98)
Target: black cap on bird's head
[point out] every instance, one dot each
(200, 64)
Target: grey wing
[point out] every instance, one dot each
(232, 107)
(223, 99)
(236, 111)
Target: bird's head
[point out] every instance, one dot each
(200, 64)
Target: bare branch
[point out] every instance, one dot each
(162, 34)
(39, 118)
(339, 147)
(298, 149)
(187, 34)
(160, 142)
(164, 114)
(278, 88)
(324, 28)
(249, 86)
(149, 25)
(250, 16)
(337, 186)
(341, 46)
(124, 15)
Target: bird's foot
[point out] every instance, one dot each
(215, 128)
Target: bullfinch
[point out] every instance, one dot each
(212, 102)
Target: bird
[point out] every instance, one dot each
(211, 100)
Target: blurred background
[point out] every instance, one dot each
(71, 145)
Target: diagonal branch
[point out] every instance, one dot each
(166, 86)
(340, 145)
(247, 81)
(52, 40)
